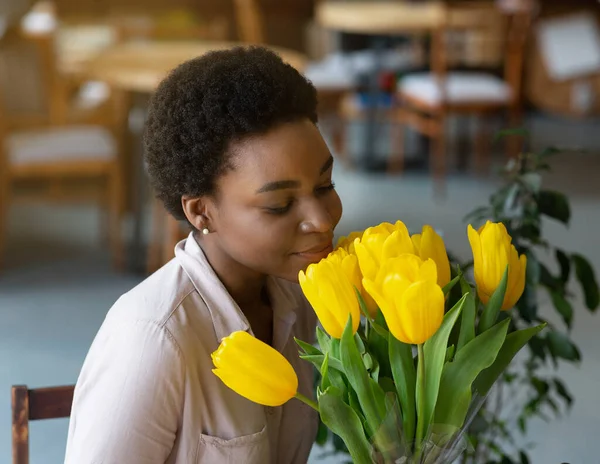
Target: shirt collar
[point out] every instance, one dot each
(226, 315)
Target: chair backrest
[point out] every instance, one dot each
(27, 77)
(250, 21)
(36, 404)
(274, 22)
(495, 37)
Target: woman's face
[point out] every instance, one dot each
(276, 210)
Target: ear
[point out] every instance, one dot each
(198, 211)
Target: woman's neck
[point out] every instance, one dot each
(246, 287)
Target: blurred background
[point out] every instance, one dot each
(411, 95)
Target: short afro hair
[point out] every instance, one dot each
(209, 102)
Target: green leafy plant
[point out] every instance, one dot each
(523, 205)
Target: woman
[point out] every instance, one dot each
(232, 147)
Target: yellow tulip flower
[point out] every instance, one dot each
(349, 264)
(347, 242)
(254, 370)
(329, 289)
(429, 244)
(409, 296)
(492, 252)
(380, 243)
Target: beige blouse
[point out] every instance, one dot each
(146, 393)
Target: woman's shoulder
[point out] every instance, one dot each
(155, 298)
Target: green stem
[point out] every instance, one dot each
(307, 401)
(420, 402)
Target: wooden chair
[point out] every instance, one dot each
(425, 100)
(37, 404)
(251, 24)
(35, 152)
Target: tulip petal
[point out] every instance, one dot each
(254, 370)
(517, 277)
(338, 293)
(399, 225)
(310, 288)
(396, 244)
(416, 239)
(385, 228)
(495, 248)
(421, 311)
(385, 304)
(407, 265)
(429, 271)
(475, 241)
(347, 243)
(432, 246)
(368, 252)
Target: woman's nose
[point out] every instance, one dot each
(316, 219)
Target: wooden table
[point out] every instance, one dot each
(379, 18)
(136, 68)
(141, 66)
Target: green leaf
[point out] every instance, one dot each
(587, 279)
(325, 382)
(361, 303)
(523, 458)
(308, 348)
(562, 391)
(434, 351)
(546, 277)
(512, 345)
(324, 340)
(538, 345)
(467, 323)
(403, 372)
(555, 205)
(387, 385)
(561, 347)
(491, 310)
(551, 151)
(450, 285)
(533, 181)
(455, 386)
(519, 132)
(378, 347)
(449, 353)
(335, 348)
(522, 425)
(380, 329)
(372, 401)
(354, 404)
(540, 386)
(532, 272)
(565, 265)
(322, 434)
(563, 307)
(317, 361)
(343, 421)
(477, 215)
(360, 344)
(367, 361)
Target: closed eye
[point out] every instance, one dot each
(326, 188)
(280, 210)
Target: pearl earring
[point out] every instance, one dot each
(205, 231)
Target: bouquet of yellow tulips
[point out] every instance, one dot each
(401, 374)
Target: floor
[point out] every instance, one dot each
(58, 286)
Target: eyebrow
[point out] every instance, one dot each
(290, 184)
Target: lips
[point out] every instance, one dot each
(316, 253)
